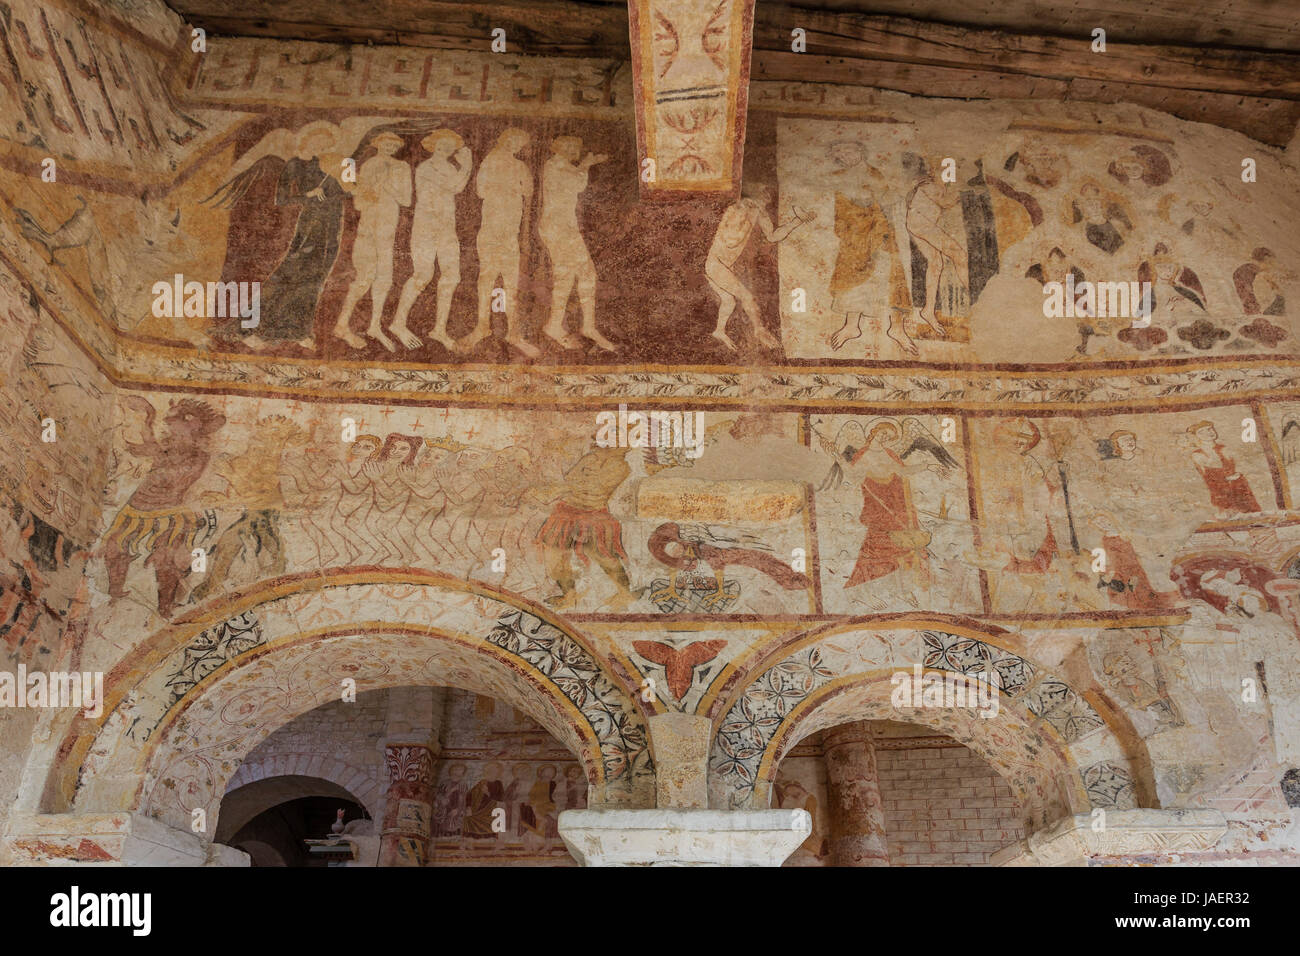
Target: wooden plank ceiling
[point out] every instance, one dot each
(1234, 63)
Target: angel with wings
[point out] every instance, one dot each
(308, 169)
(895, 540)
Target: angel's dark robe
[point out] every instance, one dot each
(290, 294)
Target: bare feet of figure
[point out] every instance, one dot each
(446, 341)
(523, 345)
(724, 338)
(600, 340)
(255, 342)
(376, 332)
(479, 333)
(347, 335)
(845, 333)
(766, 338)
(566, 338)
(934, 326)
(899, 335)
(408, 338)
(309, 343)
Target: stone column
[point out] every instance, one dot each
(681, 743)
(408, 805)
(857, 816)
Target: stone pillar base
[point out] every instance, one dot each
(1081, 840)
(679, 837)
(111, 839)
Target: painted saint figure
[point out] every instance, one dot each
(735, 229)
(438, 181)
(484, 797)
(895, 540)
(383, 188)
(537, 817)
(1229, 490)
(937, 228)
(564, 178)
(868, 279)
(449, 802)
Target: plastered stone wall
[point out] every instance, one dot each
(490, 757)
(917, 467)
(339, 742)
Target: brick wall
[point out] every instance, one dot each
(944, 806)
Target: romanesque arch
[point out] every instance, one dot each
(189, 703)
(247, 797)
(1061, 747)
(299, 772)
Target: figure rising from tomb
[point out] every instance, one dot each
(735, 229)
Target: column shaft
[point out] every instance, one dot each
(857, 815)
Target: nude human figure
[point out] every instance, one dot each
(928, 225)
(383, 187)
(438, 180)
(347, 519)
(563, 179)
(729, 242)
(505, 185)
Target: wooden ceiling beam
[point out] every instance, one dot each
(897, 39)
(1256, 93)
(1271, 121)
(536, 27)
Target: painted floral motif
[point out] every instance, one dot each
(968, 656)
(1203, 334)
(212, 648)
(1109, 786)
(752, 722)
(1065, 710)
(562, 660)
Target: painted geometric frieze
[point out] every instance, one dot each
(690, 62)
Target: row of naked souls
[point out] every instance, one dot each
(320, 177)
